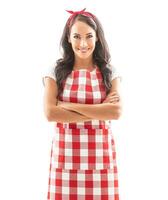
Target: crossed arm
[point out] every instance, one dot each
(109, 109)
(103, 111)
(76, 112)
(60, 114)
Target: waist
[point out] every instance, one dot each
(92, 124)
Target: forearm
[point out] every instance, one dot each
(59, 114)
(104, 111)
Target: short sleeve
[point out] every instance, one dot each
(48, 72)
(116, 73)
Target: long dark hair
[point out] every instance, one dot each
(101, 55)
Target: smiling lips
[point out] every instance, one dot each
(83, 50)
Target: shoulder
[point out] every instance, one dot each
(115, 72)
(49, 72)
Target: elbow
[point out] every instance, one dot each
(118, 113)
(48, 114)
(51, 115)
(48, 117)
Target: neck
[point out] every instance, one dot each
(85, 63)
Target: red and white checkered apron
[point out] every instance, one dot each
(83, 158)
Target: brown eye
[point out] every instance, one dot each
(90, 36)
(76, 36)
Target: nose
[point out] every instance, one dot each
(83, 43)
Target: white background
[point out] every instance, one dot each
(29, 42)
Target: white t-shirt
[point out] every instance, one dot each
(49, 72)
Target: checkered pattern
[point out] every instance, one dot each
(83, 157)
(83, 184)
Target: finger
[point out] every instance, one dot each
(114, 92)
(112, 95)
(112, 98)
(115, 98)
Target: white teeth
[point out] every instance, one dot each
(83, 50)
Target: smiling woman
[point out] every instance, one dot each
(82, 96)
(83, 39)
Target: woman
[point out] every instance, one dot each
(82, 96)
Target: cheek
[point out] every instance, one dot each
(92, 44)
(75, 43)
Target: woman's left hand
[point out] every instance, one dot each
(112, 98)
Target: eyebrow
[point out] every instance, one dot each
(79, 34)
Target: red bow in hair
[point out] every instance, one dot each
(82, 12)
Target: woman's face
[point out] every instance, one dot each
(83, 40)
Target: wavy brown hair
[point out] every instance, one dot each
(101, 55)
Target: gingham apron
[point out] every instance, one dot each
(83, 158)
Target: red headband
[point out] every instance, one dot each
(82, 12)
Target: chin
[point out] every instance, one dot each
(84, 56)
